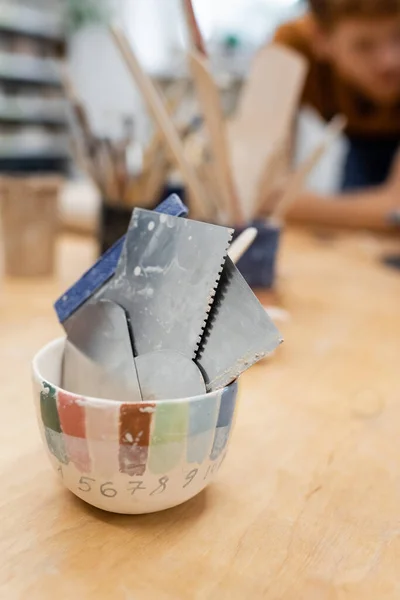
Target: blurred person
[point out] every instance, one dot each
(353, 50)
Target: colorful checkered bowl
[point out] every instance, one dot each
(130, 458)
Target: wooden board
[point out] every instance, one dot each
(264, 116)
(306, 505)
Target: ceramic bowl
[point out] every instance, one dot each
(258, 264)
(130, 458)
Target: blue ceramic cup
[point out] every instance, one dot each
(258, 264)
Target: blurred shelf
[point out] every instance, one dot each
(34, 116)
(32, 165)
(22, 69)
(33, 23)
(33, 145)
(33, 110)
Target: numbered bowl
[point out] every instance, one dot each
(130, 458)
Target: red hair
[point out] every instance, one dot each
(328, 12)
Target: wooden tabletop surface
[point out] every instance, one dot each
(307, 506)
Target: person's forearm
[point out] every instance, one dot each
(364, 209)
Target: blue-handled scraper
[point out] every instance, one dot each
(105, 267)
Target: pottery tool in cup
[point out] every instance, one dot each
(242, 243)
(166, 279)
(210, 103)
(161, 298)
(105, 267)
(169, 297)
(168, 373)
(163, 120)
(209, 98)
(196, 38)
(79, 111)
(99, 360)
(166, 283)
(98, 357)
(259, 264)
(237, 334)
(236, 320)
(89, 366)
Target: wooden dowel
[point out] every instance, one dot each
(297, 180)
(172, 103)
(107, 173)
(162, 118)
(210, 103)
(242, 244)
(195, 35)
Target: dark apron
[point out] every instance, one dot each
(369, 161)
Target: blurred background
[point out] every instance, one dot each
(76, 124)
(37, 36)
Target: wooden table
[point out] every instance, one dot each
(307, 506)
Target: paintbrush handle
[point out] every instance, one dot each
(77, 106)
(172, 103)
(86, 144)
(106, 169)
(297, 180)
(242, 244)
(196, 38)
(162, 119)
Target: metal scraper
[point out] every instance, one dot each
(238, 333)
(92, 281)
(166, 280)
(168, 375)
(98, 357)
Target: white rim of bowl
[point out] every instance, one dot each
(36, 359)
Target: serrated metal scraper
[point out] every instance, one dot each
(238, 333)
(166, 280)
